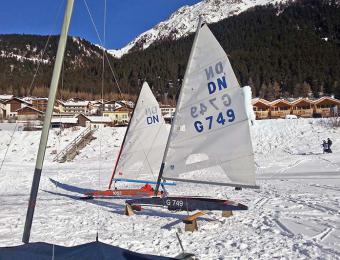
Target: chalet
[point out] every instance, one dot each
(327, 106)
(11, 106)
(280, 108)
(40, 103)
(94, 121)
(29, 113)
(261, 108)
(303, 107)
(120, 116)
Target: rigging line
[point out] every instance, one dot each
(45, 47)
(10, 140)
(102, 103)
(101, 43)
(147, 154)
(60, 121)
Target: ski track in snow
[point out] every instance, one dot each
(294, 215)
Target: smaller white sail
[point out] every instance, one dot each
(145, 140)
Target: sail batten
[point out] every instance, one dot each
(210, 142)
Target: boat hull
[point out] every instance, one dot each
(175, 203)
(121, 193)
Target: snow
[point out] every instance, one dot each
(65, 120)
(6, 97)
(184, 21)
(99, 119)
(294, 215)
(5, 54)
(75, 103)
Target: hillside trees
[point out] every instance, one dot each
(279, 51)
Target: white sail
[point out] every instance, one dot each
(145, 141)
(210, 141)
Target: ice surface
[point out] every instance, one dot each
(294, 215)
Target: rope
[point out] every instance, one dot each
(45, 48)
(101, 43)
(102, 101)
(8, 145)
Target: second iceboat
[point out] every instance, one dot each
(142, 150)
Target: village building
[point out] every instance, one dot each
(110, 106)
(95, 107)
(40, 103)
(28, 113)
(168, 112)
(327, 106)
(63, 122)
(261, 108)
(94, 121)
(280, 108)
(120, 116)
(303, 107)
(125, 103)
(10, 107)
(73, 107)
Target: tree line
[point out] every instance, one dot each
(289, 50)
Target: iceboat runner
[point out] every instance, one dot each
(209, 140)
(142, 150)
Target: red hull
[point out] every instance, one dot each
(122, 193)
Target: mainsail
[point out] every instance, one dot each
(210, 140)
(145, 140)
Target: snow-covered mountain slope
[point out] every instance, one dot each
(184, 21)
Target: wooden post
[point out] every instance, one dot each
(191, 221)
(227, 213)
(192, 226)
(128, 210)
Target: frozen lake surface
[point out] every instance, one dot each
(294, 215)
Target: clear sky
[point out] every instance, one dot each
(125, 18)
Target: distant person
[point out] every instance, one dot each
(324, 146)
(329, 143)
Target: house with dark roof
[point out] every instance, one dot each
(29, 113)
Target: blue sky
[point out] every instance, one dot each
(125, 18)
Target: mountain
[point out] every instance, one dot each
(22, 55)
(287, 50)
(184, 21)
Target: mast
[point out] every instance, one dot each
(121, 149)
(47, 120)
(200, 21)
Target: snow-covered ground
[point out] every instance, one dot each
(294, 215)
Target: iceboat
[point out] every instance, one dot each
(209, 141)
(142, 150)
